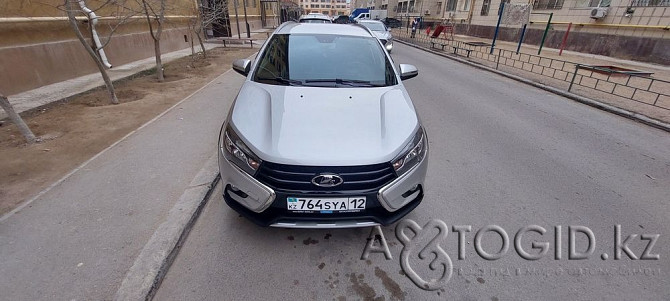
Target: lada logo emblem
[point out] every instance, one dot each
(327, 180)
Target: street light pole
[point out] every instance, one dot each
(237, 19)
(244, 2)
(421, 23)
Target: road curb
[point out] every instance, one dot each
(149, 269)
(581, 99)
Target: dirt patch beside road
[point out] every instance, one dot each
(76, 130)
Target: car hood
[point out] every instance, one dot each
(324, 126)
(382, 34)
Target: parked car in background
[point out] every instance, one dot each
(370, 14)
(359, 13)
(315, 18)
(322, 133)
(392, 22)
(380, 31)
(342, 20)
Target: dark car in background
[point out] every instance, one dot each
(342, 20)
(392, 22)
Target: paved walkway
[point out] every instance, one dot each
(51, 93)
(660, 71)
(78, 240)
(641, 105)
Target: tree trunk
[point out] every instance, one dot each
(202, 46)
(192, 48)
(16, 118)
(159, 62)
(73, 23)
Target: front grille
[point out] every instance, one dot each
(299, 178)
(383, 41)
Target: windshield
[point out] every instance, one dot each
(324, 60)
(374, 26)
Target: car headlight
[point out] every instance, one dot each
(237, 152)
(412, 154)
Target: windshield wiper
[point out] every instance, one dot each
(350, 82)
(282, 80)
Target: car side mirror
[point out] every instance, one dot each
(242, 66)
(408, 71)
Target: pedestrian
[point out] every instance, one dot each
(415, 24)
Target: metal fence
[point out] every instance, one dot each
(588, 80)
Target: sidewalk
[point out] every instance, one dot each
(638, 95)
(78, 240)
(660, 71)
(58, 91)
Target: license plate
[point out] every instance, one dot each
(325, 205)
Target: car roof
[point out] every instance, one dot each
(370, 21)
(315, 16)
(315, 28)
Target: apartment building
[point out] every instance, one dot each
(326, 7)
(248, 15)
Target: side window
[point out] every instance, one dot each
(275, 59)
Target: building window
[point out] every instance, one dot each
(466, 5)
(451, 5)
(486, 6)
(548, 4)
(595, 3)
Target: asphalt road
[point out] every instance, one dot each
(502, 154)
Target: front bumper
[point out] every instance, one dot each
(266, 206)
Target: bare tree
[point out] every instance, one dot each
(195, 29)
(95, 51)
(16, 119)
(209, 13)
(155, 12)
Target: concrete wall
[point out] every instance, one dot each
(254, 24)
(38, 47)
(31, 66)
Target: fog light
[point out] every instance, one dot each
(237, 191)
(411, 191)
